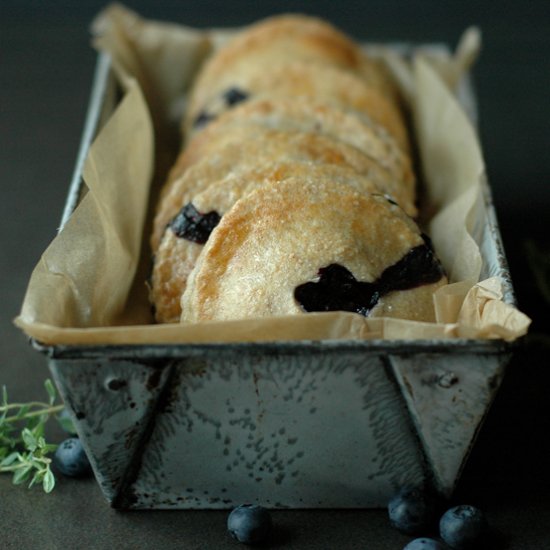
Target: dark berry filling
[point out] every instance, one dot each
(203, 118)
(231, 97)
(194, 226)
(418, 267)
(338, 290)
(234, 96)
(427, 241)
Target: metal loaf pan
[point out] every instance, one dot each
(293, 424)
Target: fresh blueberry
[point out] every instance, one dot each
(249, 523)
(462, 526)
(71, 460)
(425, 544)
(412, 510)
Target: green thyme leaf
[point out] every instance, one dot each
(38, 429)
(22, 474)
(34, 421)
(23, 411)
(29, 439)
(66, 422)
(48, 483)
(23, 447)
(50, 388)
(37, 478)
(10, 459)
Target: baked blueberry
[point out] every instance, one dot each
(418, 267)
(249, 523)
(202, 119)
(425, 544)
(338, 290)
(71, 460)
(234, 96)
(462, 526)
(412, 511)
(193, 225)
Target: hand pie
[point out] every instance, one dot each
(183, 239)
(284, 38)
(318, 246)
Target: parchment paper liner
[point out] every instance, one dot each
(85, 289)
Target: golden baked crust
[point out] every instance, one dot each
(322, 117)
(175, 257)
(278, 237)
(174, 260)
(303, 36)
(301, 79)
(288, 37)
(213, 155)
(276, 144)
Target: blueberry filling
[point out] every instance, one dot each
(203, 119)
(418, 267)
(338, 290)
(231, 97)
(234, 96)
(194, 226)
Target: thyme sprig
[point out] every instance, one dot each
(24, 451)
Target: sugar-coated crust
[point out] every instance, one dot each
(212, 155)
(176, 257)
(290, 37)
(223, 194)
(276, 144)
(322, 117)
(303, 36)
(180, 190)
(279, 236)
(169, 275)
(308, 80)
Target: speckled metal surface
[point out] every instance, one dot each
(318, 430)
(111, 403)
(447, 399)
(299, 425)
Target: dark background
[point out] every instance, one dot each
(46, 66)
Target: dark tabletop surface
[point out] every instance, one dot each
(46, 67)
